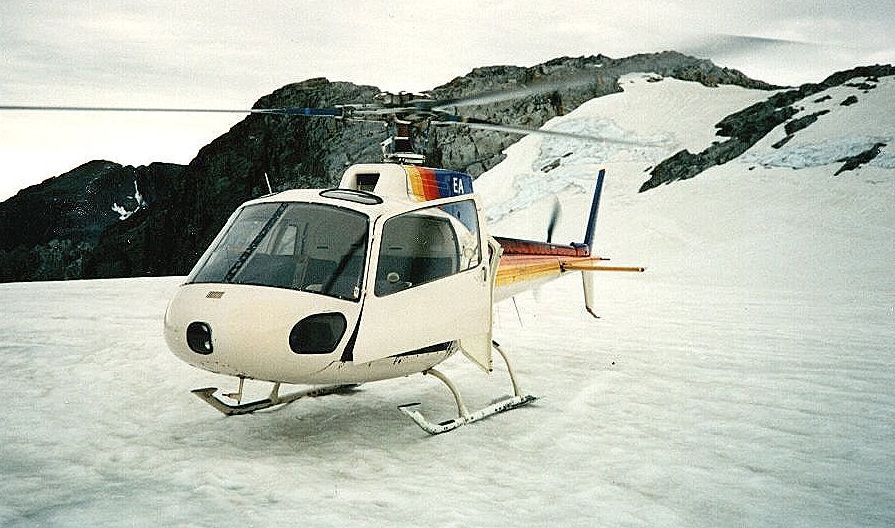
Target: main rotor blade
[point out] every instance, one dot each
(733, 44)
(500, 96)
(372, 110)
(514, 129)
(324, 112)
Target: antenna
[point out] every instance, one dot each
(266, 179)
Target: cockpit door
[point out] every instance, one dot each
(478, 347)
(429, 283)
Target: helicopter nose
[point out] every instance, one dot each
(257, 332)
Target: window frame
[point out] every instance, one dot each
(382, 225)
(192, 278)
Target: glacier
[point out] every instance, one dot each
(744, 379)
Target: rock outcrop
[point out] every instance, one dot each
(48, 230)
(475, 151)
(748, 126)
(853, 162)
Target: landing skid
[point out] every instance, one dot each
(449, 425)
(207, 395)
(464, 415)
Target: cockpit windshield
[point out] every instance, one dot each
(302, 246)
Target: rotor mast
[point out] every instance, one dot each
(411, 114)
(399, 146)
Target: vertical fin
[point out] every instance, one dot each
(587, 277)
(595, 206)
(590, 301)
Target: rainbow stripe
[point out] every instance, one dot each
(424, 184)
(526, 269)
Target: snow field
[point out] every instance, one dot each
(744, 379)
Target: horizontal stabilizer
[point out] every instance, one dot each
(592, 265)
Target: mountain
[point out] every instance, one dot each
(799, 209)
(167, 236)
(51, 230)
(313, 153)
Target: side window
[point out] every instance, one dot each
(426, 245)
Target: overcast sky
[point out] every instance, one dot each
(230, 53)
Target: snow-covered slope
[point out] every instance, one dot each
(744, 379)
(842, 130)
(751, 221)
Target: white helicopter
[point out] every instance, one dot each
(338, 287)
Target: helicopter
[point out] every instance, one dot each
(338, 287)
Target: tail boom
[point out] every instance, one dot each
(526, 264)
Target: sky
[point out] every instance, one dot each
(229, 54)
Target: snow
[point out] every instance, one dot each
(745, 379)
(123, 213)
(655, 119)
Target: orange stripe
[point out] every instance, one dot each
(513, 269)
(427, 179)
(416, 186)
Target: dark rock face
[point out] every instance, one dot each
(475, 151)
(803, 122)
(47, 230)
(77, 234)
(853, 162)
(748, 126)
(863, 86)
(798, 124)
(294, 152)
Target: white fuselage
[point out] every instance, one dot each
(289, 300)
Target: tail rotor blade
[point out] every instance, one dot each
(555, 214)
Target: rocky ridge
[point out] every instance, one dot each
(49, 231)
(746, 127)
(166, 234)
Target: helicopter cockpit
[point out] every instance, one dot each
(320, 248)
(309, 247)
